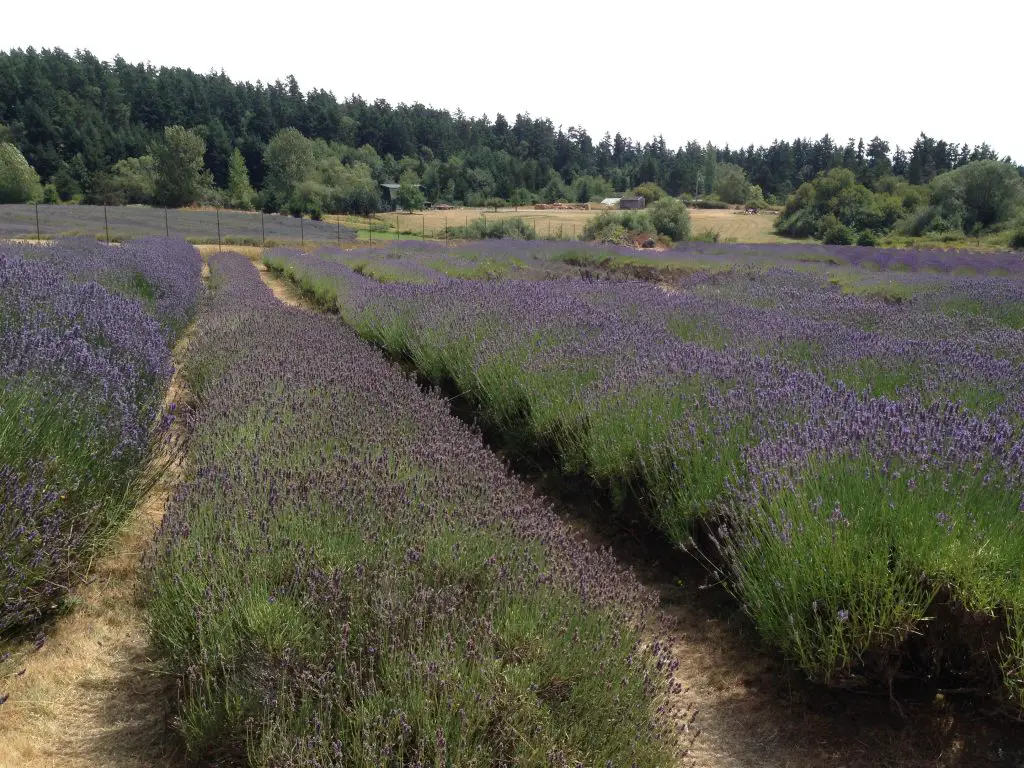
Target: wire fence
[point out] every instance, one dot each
(118, 223)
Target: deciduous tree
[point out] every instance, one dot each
(180, 175)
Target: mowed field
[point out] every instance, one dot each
(730, 225)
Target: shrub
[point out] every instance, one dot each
(835, 194)
(515, 228)
(649, 191)
(309, 197)
(755, 197)
(1017, 237)
(19, 183)
(831, 231)
(707, 236)
(410, 197)
(867, 238)
(616, 226)
(985, 192)
(670, 218)
(710, 204)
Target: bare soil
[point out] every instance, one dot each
(91, 695)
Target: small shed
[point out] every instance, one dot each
(632, 203)
(390, 196)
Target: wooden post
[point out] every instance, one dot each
(106, 225)
(167, 226)
(339, 231)
(218, 229)
(369, 226)
(445, 231)
(263, 231)
(39, 237)
(423, 230)
(302, 232)
(398, 228)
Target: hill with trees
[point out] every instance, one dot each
(121, 132)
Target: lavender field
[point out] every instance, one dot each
(85, 356)
(348, 574)
(837, 430)
(126, 223)
(401, 600)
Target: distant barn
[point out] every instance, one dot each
(632, 203)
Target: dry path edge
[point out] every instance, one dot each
(92, 695)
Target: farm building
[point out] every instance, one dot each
(632, 203)
(390, 196)
(611, 202)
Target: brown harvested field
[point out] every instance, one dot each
(729, 224)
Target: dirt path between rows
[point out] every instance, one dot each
(91, 695)
(754, 710)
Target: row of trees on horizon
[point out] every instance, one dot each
(120, 132)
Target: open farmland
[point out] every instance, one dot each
(848, 450)
(553, 223)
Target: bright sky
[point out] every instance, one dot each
(738, 71)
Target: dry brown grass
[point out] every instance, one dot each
(91, 696)
(728, 223)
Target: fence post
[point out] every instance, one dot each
(167, 227)
(263, 230)
(106, 226)
(445, 231)
(302, 231)
(398, 228)
(369, 226)
(39, 237)
(339, 232)
(218, 229)
(423, 231)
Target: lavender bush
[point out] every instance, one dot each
(403, 600)
(82, 374)
(856, 458)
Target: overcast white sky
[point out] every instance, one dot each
(738, 71)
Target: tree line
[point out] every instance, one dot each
(98, 131)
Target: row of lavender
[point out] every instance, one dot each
(493, 258)
(845, 489)
(83, 369)
(403, 600)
